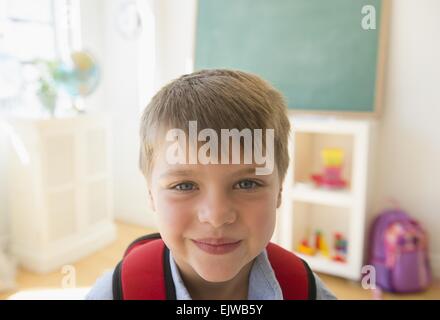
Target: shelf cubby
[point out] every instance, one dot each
(307, 207)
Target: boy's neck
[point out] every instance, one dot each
(234, 289)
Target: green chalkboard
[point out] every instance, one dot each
(314, 51)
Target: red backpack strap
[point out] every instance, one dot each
(134, 279)
(296, 280)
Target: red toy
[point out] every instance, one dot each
(331, 177)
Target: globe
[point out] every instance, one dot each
(80, 76)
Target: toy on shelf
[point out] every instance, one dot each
(305, 248)
(331, 177)
(321, 245)
(340, 248)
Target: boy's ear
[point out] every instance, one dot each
(151, 201)
(279, 197)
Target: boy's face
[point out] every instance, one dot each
(215, 219)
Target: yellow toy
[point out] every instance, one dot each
(321, 245)
(332, 157)
(304, 248)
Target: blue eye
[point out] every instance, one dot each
(185, 186)
(247, 184)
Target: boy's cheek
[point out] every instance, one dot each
(261, 218)
(175, 214)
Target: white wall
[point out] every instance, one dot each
(130, 76)
(409, 137)
(118, 96)
(176, 36)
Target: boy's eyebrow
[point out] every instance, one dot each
(177, 172)
(250, 170)
(186, 172)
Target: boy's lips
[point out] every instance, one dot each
(216, 241)
(217, 245)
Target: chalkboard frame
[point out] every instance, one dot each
(382, 50)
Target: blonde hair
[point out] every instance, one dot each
(216, 99)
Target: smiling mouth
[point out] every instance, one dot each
(217, 246)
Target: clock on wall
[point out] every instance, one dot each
(129, 20)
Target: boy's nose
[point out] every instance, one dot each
(217, 210)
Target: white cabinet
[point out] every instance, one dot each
(60, 190)
(307, 208)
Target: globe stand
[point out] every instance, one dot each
(78, 105)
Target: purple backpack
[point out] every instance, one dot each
(399, 253)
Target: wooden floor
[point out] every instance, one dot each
(90, 268)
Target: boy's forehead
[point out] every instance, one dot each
(201, 147)
(163, 170)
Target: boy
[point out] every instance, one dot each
(215, 205)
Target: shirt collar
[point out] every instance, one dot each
(263, 284)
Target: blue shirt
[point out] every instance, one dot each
(263, 284)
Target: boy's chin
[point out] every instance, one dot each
(217, 273)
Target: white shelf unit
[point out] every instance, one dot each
(307, 208)
(60, 190)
